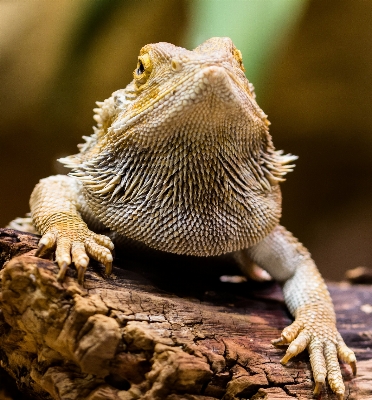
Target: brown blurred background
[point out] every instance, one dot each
(310, 61)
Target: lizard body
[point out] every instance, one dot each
(182, 161)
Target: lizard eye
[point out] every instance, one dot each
(143, 69)
(140, 68)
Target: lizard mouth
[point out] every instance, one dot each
(195, 86)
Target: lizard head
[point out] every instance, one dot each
(186, 136)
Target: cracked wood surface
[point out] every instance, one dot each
(163, 327)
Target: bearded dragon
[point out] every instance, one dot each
(182, 161)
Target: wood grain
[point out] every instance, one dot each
(162, 327)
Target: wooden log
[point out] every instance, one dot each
(162, 327)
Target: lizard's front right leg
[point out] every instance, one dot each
(55, 212)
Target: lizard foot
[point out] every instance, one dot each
(77, 245)
(325, 346)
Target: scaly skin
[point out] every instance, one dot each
(182, 161)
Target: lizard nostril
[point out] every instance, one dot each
(176, 65)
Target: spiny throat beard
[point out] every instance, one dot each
(190, 187)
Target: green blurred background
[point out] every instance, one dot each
(310, 61)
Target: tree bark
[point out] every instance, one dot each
(165, 328)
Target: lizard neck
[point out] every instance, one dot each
(197, 196)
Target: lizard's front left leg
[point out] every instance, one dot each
(55, 210)
(308, 299)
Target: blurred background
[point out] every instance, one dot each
(310, 62)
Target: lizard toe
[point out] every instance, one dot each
(47, 241)
(292, 331)
(63, 250)
(80, 259)
(79, 255)
(317, 361)
(333, 368)
(346, 354)
(104, 241)
(297, 346)
(98, 252)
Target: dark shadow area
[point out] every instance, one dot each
(190, 277)
(8, 388)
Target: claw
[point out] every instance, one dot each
(353, 367)
(318, 388)
(62, 271)
(108, 268)
(285, 359)
(279, 342)
(81, 275)
(40, 249)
